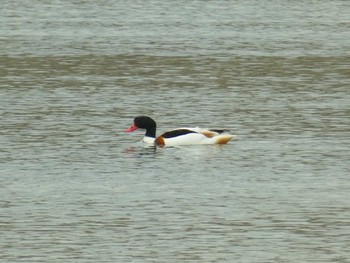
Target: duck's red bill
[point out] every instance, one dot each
(132, 128)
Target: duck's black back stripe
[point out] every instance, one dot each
(219, 130)
(175, 133)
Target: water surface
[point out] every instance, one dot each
(74, 187)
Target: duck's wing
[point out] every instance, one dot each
(190, 136)
(208, 132)
(177, 132)
(172, 135)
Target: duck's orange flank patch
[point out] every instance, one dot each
(209, 134)
(159, 141)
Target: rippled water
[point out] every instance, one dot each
(75, 188)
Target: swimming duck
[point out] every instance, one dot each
(181, 136)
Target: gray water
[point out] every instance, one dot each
(75, 188)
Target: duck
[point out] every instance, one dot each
(180, 136)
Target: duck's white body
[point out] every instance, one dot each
(199, 136)
(180, 136)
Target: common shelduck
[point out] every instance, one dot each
(181, 136)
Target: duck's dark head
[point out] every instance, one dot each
(144, 122)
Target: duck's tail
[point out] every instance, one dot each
(223, 138)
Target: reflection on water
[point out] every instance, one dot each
(75, 187)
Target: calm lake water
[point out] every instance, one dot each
(75, 188)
